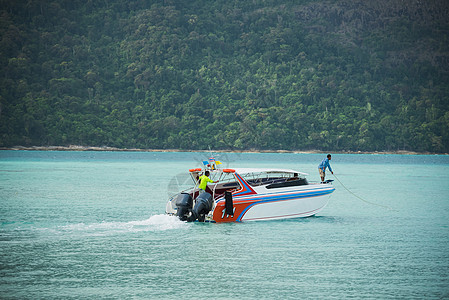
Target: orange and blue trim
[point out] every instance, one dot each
(246, 188)
(281, 197)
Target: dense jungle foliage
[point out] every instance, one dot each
(242, 74)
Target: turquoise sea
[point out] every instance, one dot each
(91, 225)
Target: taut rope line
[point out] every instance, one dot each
(360, 198)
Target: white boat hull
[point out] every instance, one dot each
(267, 204)
(297, 208)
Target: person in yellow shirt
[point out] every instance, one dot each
(204, 179)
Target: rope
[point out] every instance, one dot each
(360, 198)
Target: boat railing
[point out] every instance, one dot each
(216, 185)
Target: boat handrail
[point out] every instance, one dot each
(215, 186)
(197, 184)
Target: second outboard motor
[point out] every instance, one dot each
(203, 205)
(184, 203)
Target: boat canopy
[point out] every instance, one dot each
(244, 171)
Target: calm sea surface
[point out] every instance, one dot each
(92, 225)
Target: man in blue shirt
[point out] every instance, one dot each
(323, 165)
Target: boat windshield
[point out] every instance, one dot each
(263, 178)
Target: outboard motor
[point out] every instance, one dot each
(184, 203)
(203, 205)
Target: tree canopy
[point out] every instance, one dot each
(297, 75)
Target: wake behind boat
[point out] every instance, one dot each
(248, 194)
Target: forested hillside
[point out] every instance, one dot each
(250, 74)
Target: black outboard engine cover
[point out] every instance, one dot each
(203, 205)
(184, 203)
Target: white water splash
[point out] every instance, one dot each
(154, 223)
(159, 222)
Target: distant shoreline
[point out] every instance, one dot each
(111, 149)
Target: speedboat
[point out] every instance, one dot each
(250, 194)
